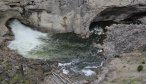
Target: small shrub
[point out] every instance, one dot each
(139, 68)
(117, 56)
(129, 81)
(143, 62)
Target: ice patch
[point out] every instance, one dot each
(26, 39)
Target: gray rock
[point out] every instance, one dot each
(4, 17)
(123, 38)
(61, 15)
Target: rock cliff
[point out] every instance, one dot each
(58, 15)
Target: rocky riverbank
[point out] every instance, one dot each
(123, 42)
(15, 69)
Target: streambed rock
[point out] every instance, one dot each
(62, 15)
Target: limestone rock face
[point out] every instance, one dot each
(4, 17)
(61, 15)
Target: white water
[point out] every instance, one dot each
(27, 43)
(64, 71)
(26, 39)
(69, 67)
(88, 72)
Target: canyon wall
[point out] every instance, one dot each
(57, 15)
(60, 16)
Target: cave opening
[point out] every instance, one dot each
(119, 15)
